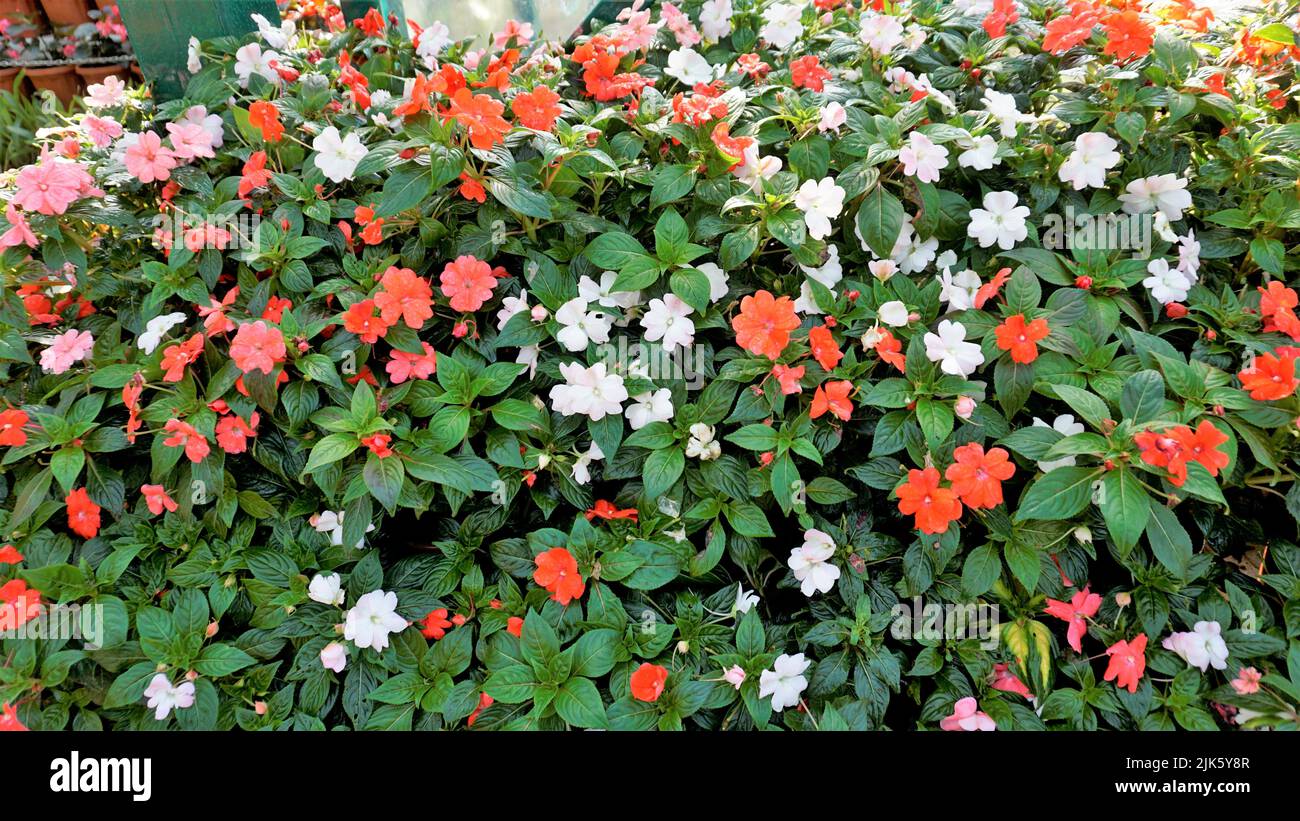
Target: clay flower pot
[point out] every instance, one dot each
(8, 7)
(105, 4)
(91, 74)
(62, 80)
(7, 77)
(66, 12)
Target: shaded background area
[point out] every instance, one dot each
(467, 18)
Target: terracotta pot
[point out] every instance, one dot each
(91, 74)
(66, 12)
(62, 80)
(7, 76)
(104, 4)
(8, 7)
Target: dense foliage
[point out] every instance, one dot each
(678, 376)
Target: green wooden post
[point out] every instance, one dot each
(355, 9)
(160, 31)
(606, 11)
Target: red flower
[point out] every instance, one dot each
(607, 510)
(648, 682)
(752, 65)
(257, 346)
(467, 282)
(421, 88)
(9, 719)
(1064, 33)
(176, 357)
(733, 148)
(480, 115)
(515, 626)
(807, 72)
(824, 349)
(1021, 339)
(1202, 446)
(934, 507)
(764, 324)
(156, 498)
(404, 296)
(471, 189)
(991, 288)
(83, 514)
(1004, 14)
(890, 349)
(10, 555)
(12, 421)
(265, 117)
(788, 378)
(361, 320)
(557, 571)
(233, 432)
(183, 434)
(536, 109)
(833, 397)
(484, 701)
(1271, 377)
(1128, 35)
(977, 476)
(1127, 662)
(19, 604)
(379, 444)
(1081, 607)
(435, 624)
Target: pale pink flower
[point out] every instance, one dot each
(190, 140)
(46, 188)
(109, 93)
(19, 232)
(101, 130)
(65, 350)
(966, 716)
(148, 160)
(1247, 681)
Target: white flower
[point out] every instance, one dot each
(893, 314)
(689, 67)
(785, 681)
(810, 563)
(371, 620)
(1166, 284)
(192, 61)
(958, 290)
(510, 306)
(1189, 255)
(211, 123)
(702, 445)
(1000, 221)
(1203, 647)
(781, 26)
(744, 601)
(155, 329)
(964, 407)
(1160, 224)
(715, 19)
(164, 698)
(982, 156)
(432, 41)
(882, 269)
(529, 355)
(582, 467)
(274, 37)
(833, 116)
(1094, 154)
(718, 280)
(669, 319)
(581, 327)
(1166, 192)
(327, 588)
(755, 169)
(734, 675)
(650, 407)
(946, 260)
(337, 157)
(1002, 107)
(820, 202)
(910, 252)
(334, 656)
(602, 295)
(332, 523)
(591, 391)
(948, 347)
(881, 33)
(922, 157)
(250, 60)
(829, 274)
(1066, 426)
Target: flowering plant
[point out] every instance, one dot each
(704, 372)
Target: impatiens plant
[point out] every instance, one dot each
(741, 364)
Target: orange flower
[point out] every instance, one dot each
(404, 296)
(1127, 662)
(12, 421)
(557, 571)
(788, 378)
(471, 189)
(421, 88)
(155, 496)
(606, 510)
(481, 116)
(890, 349)
(233, 432)
(1004, 13)
(648, 682)
(1164, 450)
(536, 109)
(515, 626)
(19, 604)
(833, 397)
(9, 719)
(807, 72)
(732, 148)
(379, 445)
(1202, 446)
(467, 282)
(1064, 33)
(764, 324)
(1021, 339)
(361, 320)
(178, 356)
(991, 288)
(83, 514)
(1271, 377)
(254, 174)
(257, 347)
(1277, 305)
(934, 507)
(1128, 35)
(185, 435)
(434, 624)
(265, 117)
(824, 349)
(10, 555)
(977, 476)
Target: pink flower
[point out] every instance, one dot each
(1247, 681)
(147, 160)
(404, 366)
(966, 716)
(1077, 611)
(190, 140)
(101, 130)
(257, 347)
(1008, 682)
(155, 496)
(185, 435)
(47, 188)
(65, 350)
(19, 232)
(104, 95)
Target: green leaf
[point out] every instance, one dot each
(692, 285)
(578, 703)
(982, 568)
(671, 237)
(671, 182)
(384, 477)
(1169, 541)
(662, 469)
(1060, 494)
(880, 220)
(1143, 396)
(405, 189)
